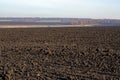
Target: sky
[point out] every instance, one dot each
(98, 9)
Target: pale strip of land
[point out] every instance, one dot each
(34, 26)
(5, 20)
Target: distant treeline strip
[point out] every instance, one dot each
(33, 23)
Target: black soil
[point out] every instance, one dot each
(60, 54)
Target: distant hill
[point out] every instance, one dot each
(59, 21)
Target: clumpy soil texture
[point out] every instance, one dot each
(60, 54)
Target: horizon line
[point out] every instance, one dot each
(59, 17)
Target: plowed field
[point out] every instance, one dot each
(60, 53)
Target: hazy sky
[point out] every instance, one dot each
(60, 8)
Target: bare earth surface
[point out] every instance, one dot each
(60, 53)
